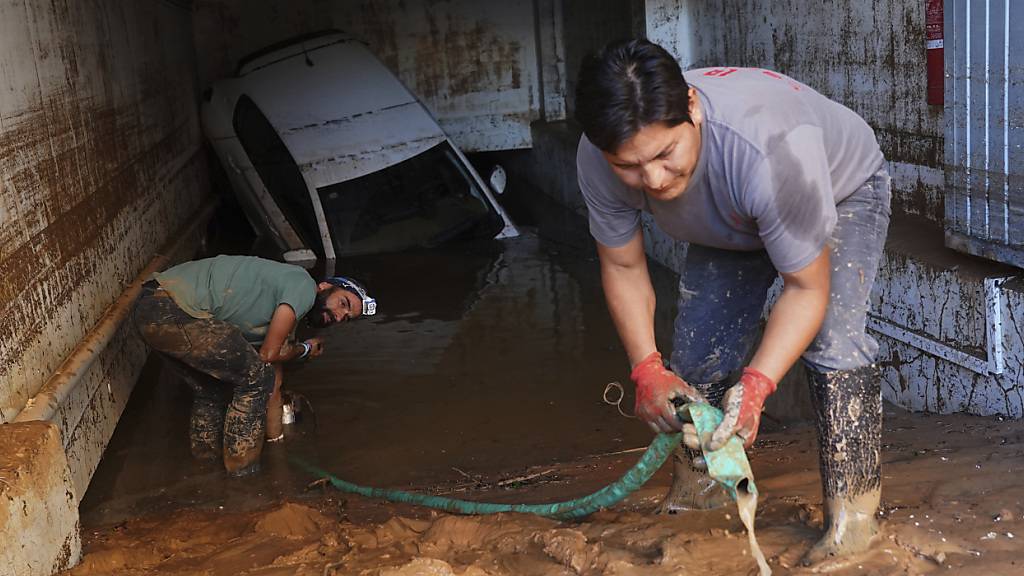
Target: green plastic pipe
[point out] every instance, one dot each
(728, 465)
(640, 473)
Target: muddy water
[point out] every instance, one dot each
(746, 504)
(485, 357)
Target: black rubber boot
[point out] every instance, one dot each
(848, 404)
(692, 487)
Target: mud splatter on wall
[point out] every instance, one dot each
(867, 54)
(473, 63)
(99, 163)
(947, 304)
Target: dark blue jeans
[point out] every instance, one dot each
(722, 296)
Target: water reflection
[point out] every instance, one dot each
(486, 357)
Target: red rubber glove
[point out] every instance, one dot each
(656, 388)
(742, 405)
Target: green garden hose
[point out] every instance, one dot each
(641, 472)
(727, 465)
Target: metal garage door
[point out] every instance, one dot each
(984, 154)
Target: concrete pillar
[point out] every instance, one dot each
(38, 504)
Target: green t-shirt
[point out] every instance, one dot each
(240, 290)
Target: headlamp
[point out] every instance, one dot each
(369, 303)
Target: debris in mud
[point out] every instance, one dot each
(526, 479)
(514, 482)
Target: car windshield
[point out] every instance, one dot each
(424, 201)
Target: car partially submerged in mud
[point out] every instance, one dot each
(330, 155)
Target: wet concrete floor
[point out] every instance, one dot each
(487, 356)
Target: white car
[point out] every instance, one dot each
(330, 155)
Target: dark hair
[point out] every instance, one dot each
(626, 86)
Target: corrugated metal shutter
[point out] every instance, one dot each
(984, 154)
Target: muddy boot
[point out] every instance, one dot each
(239, 465)
(692, 488)
(848, 404)
(242, 451)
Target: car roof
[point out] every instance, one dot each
(287, 48)
(339, 110)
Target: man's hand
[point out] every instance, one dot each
(292, 351)
(316, 347)
(656, 388)
(742, 405)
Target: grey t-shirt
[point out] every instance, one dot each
(776, 157)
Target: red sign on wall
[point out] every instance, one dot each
(934, 54)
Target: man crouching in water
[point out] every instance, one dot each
(226, 325)
(763, 177)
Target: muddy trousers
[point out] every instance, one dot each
(722, 296)
(230, 383)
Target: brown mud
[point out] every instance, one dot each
(952, 503)
(482, 378)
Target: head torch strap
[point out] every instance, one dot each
(369, 303)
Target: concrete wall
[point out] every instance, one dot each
(867, 54)
(939, 295)
(589, 25)
(474, 64)
(100, 163)
(870, 56)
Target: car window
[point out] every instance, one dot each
(277, 169)
(424, 201)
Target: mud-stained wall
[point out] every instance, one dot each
(474, 64)
(99, 164)
(589, 25)
(867, 54)
(942, 298)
